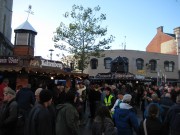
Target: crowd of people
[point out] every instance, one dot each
(113, 109)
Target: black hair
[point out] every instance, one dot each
(103, 111)
(153, 111)
(70, 96)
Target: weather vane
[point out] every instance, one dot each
(29, 11)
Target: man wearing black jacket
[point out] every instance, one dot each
(8, 113)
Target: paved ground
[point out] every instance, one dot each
(86, 129)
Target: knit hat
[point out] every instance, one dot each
(45, 95)
(127, 98)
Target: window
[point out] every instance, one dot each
(31, 40)
(153, 65)
(94, 63)
(169, 66)
(107, 63)
(22, 39)
(139, 63)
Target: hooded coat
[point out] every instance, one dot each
(125, 119)
(67, 120)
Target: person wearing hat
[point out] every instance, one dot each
(109, 99)
(40, 121)
(8, 113)
(125, 117)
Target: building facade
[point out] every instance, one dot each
(139, 63)
(164, 42)
(6, 47)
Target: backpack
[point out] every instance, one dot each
(176, 122)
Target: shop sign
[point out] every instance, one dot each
(118, 76)
(9, 60)
(104, 75)
(141, 72)
(34, 63)
(48, 63)
(140, 77)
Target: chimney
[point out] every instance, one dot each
(160, 29)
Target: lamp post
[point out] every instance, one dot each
(157, 72)
(51, 50)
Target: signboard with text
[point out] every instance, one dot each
(8, 60)
(45, 63)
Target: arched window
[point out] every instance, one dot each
(139, 63)
(107, 62)
(169, 66)
(94, 63)
(153, 65)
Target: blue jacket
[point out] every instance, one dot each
(125, 119)
(25, 99)
(171, 117)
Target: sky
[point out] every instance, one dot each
(132, 22)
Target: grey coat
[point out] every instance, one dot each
(106, 127)
(67, 120)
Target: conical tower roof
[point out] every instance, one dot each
(25, 26)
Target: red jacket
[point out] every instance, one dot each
(2, 86)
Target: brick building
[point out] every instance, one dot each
(164, 42)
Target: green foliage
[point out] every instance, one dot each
(84, 35)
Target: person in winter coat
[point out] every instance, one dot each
(151, 125)
(67, 120)
(40, 120)
(155, 100)
(8, 113)
(166, 102)
(172, 120)
(125, 117)
(103, 123)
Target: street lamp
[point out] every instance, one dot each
(157, 72)
(51, 50)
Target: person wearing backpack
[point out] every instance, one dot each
(172, 120)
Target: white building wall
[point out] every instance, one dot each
(177, 33)
(132, 55)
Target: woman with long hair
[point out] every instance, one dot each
(103, 123)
